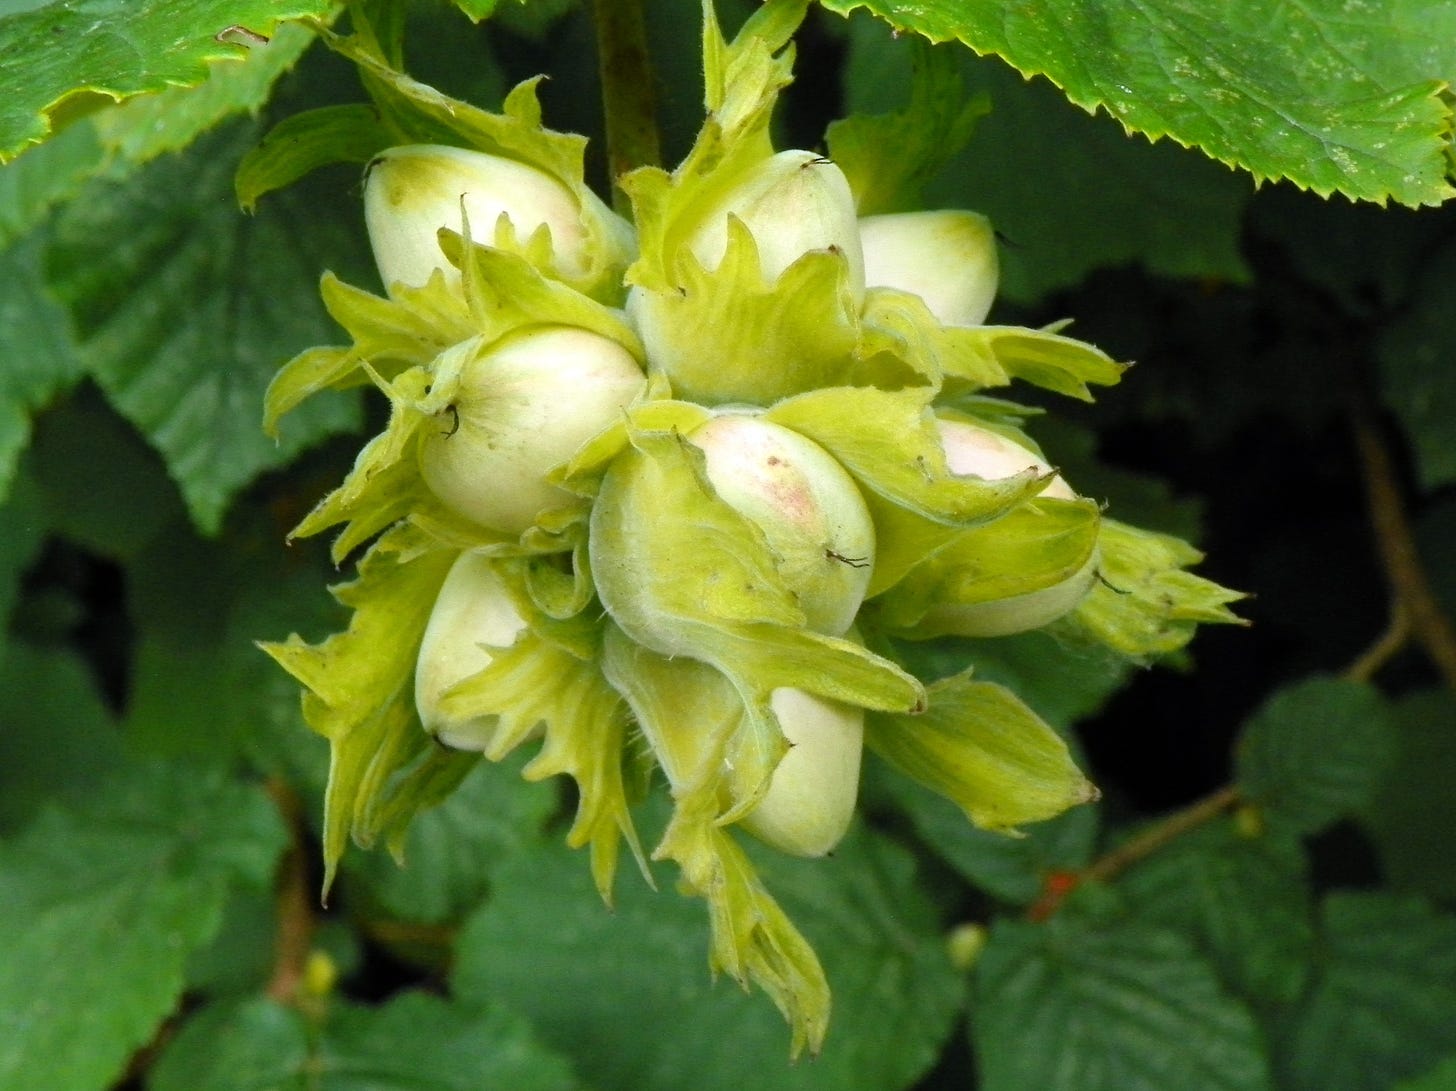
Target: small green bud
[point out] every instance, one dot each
(791, 203)
(472, 614)
(524, 406)
(412, 191)
(808, 507)
(948, 258)
(811, 796)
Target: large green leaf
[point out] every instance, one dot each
(625, 995)
(58, 740)
(199, 685)
(1413, 813)
(67, 59)
(186, 309)
(1315, 752)
(1329, 96)
(1416, 377)
(144, 127)
(45, 175)
(1381, 1002)
(22, 529)
(1112, 1006)
(1440, 1078)
(37, 357)
(416, 1042)
(1099, 199)
(101, 487)
(102, 905)
(1244, 899)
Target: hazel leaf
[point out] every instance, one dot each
(1332, 98)
(63, 61)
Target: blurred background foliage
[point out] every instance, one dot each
(1263, 898)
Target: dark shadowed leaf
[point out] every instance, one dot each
(186, 308)
(1315, 752)
(1379, 1007)
(416, 1042)
(1079, 1005)
(103, 903)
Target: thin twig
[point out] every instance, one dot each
(294, 900)
(1169, 829)
(628, 95)
(1388, 645)
(1396, 544)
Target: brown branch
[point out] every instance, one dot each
(1396, 544)
(1415, 614)
(1169, 829)
(294, 900)
(1389, 644)
(628, 97)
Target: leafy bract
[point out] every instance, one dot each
(979, 746)
(184, 308)
(358, 692)
(536, 685)
(303, 142)
(688, 711)
(1333, 99)
(742, 81)
(1146, 603)
(889, 157)
(888, 442)
(65, 60)
(726, 336)
(392, 335)
(1012, 869)
(411, 112)
(1033, 548)
(683, 573)
(1107, 1006)
(1315, 752)
(416, 1042)
(104, 901)
(441, 337)
(567, 965)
